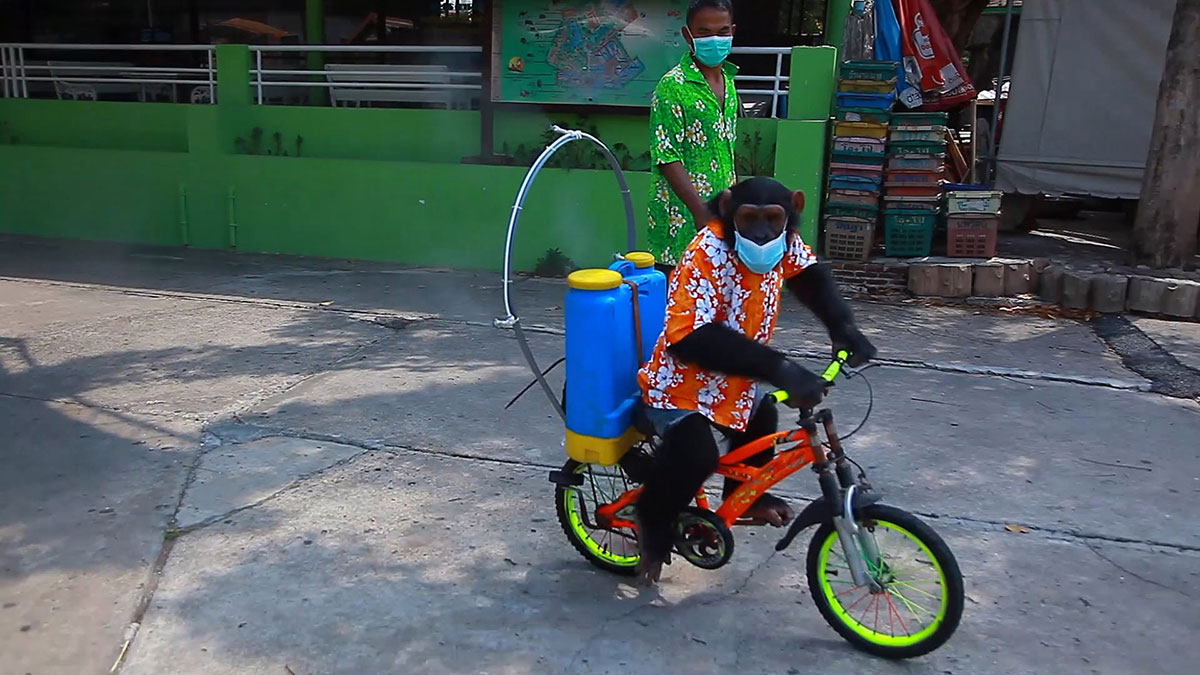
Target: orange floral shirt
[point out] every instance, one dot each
(711, 284)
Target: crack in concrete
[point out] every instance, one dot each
(1062, 534)
(953, 368)
(603, 627)
(372, 316)
(197, 417)
(742, 586)
(1133, 574)
(262, 431)
(295, 483)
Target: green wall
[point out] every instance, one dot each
(368, 183)
(413, 213)
(87, 124)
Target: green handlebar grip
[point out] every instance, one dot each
(835, 368)
(829, 375)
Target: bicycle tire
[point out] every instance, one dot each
(950, 608)
(568, 499)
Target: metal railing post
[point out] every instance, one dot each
(778, 74)
(4, 69)
(24, 82)
(212, 88)
(258, 73)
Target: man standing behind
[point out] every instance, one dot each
(693, 127)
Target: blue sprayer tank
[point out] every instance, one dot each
(603, 353)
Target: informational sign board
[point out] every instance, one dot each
(591, 52)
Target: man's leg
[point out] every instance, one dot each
(764, 421)
(686, 458)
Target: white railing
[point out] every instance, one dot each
(347, 83)
(94, 80)
(779, 82)
(358, 83)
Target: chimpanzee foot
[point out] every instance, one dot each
(771, 510)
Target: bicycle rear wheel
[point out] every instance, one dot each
(611, 550)
(921, 601)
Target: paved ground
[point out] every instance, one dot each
(230, 464)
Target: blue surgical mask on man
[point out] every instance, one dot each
(760, 258)
(711, 51)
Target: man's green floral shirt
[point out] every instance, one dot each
(688, 125)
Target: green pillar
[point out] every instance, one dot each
(314, 34)
(813, 78)
(800, 165)
(233, 75)
(835, 22)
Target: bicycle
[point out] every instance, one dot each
(852, 528)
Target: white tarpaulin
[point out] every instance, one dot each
(1084, 88)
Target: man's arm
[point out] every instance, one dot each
(681, 184)
(666, 140)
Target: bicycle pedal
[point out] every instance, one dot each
(752, 522)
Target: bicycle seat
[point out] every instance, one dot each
(641, 421)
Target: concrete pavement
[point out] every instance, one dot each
(232, 453)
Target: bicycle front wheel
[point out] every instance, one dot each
(919, 601)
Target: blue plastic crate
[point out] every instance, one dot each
(847, 99)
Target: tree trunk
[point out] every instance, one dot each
(1164, 233)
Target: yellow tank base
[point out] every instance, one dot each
(602, 451)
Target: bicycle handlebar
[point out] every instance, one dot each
(831, 372)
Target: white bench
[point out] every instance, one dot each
(430, 78)
(71, 81)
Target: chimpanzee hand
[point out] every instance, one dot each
(852, 340)
(805, 389)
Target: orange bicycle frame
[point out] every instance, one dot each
(755, 480)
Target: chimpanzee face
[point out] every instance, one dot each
(759, 209)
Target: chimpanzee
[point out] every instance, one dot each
(700, 384)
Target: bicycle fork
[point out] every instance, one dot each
(840, 490)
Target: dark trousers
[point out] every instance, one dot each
(686, 457)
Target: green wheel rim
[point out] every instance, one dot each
(902, 602)
(580, 529)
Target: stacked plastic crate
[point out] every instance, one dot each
(912, 188)
(866, 93)
(972, 221)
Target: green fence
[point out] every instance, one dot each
(385, 184)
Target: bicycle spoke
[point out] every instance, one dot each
(919, 590)
(892, 608)
(913, 606)
(855, 603)
(873, 603)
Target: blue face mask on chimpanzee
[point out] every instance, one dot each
(712, 51)
(761, 258)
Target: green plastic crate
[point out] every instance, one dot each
(908, 234)
(906, 217)
(868, 70)
(921, 119)
(907, 241)
(916, 148)
(857, 158)
(929, 134)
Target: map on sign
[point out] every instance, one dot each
(610, 52)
